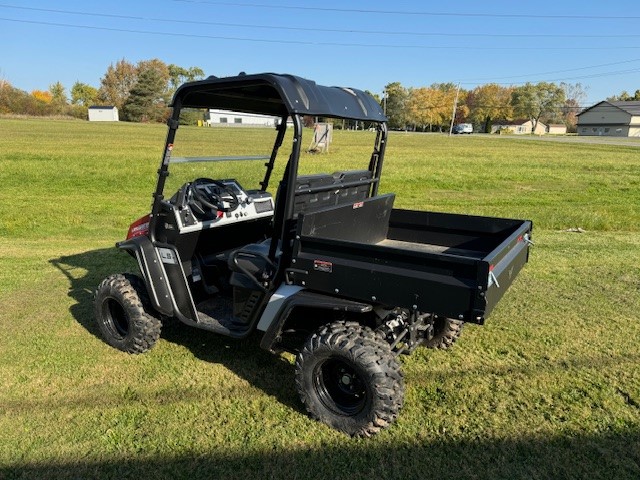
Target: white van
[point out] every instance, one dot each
(463, 128)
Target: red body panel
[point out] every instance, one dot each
(139, 228)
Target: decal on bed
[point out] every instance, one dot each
(322, 266)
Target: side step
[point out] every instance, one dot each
(216, 315)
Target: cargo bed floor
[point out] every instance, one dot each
(430, 248)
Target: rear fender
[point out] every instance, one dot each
(289, 297)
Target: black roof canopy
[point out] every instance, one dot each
(280, 95)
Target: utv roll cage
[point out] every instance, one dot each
(288, 97)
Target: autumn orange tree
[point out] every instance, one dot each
(432, 107)
(488, 103)
(43, 96)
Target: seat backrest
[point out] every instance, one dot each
(317, 192)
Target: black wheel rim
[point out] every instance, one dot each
(115, 318)
(340, 387)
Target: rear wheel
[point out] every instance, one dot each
(124, 323)
(348, 378)
(445, 332)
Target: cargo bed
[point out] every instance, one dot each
(457, 266)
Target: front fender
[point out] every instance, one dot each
(150, 265)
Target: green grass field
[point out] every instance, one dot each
(548, 388)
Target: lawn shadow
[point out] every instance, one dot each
(85, 271)
(609, 455)
(272, 374)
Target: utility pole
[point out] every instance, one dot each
(455, 107)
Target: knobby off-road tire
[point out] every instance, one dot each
(446, 332)
(348, 378)
(121, 306)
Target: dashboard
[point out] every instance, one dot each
(251, 205)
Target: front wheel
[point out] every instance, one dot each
(121, 316)
(348, 378)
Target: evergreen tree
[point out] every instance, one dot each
(146, 101)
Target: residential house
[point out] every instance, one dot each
(518, 127)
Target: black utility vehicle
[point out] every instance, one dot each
(326, 268)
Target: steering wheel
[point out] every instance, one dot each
(212, 195)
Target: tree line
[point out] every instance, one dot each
(432, 108)
(625, 97)
(141, 92)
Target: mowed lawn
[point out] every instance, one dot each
(548, 388)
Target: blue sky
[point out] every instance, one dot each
(359, 44)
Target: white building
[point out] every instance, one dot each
(556, 129)
(237, 119)
(103, 114)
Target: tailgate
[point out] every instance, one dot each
(503, 265)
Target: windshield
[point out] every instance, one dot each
(220, 153)
(239, 152)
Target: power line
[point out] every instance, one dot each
(322, 30)
(318, 43)
(465, 81)
(554, 71)
(579, 77)
(340, 44)
(412, 12)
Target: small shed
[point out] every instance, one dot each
(103, 114)
(557, 129)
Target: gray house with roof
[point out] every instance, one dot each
(615, 119)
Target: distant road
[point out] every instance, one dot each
(592, 140)
(595, 140)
